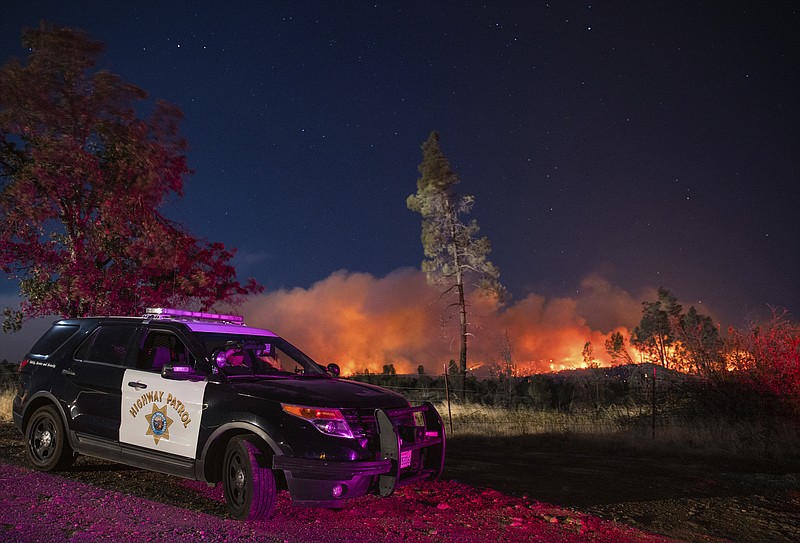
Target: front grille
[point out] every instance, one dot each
(362, 422)
(364, 425)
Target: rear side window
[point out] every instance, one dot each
(54, 338)
(109, 344)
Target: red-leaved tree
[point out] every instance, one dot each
(83, 177)
(767, 357)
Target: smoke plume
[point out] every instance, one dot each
(363, 322)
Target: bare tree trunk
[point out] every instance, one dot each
(462, 304)
(462, 307)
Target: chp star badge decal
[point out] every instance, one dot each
(158, 424)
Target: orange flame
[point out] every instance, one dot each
(363, 322)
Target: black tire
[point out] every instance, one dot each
(47, 445)
(247, 480)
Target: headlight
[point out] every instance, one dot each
(327, 421)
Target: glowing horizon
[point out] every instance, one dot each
(363, 322)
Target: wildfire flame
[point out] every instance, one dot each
(364, 322)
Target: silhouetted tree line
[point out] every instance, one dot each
(566, 391)
(682, 365)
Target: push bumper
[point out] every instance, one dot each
(412, 447)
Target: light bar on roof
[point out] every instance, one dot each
(171, 312)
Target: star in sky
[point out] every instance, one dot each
(653, 144)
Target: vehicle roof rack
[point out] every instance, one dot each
(183, 314)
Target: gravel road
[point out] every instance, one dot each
(493, 491)
(99, 501)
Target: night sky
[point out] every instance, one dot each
(629, 145)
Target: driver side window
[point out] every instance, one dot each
(160, 348)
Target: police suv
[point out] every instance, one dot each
(205, 397)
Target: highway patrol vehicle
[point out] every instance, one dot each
(205, 397)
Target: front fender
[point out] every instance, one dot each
(209, 463)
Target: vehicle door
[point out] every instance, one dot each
(161, 410)
(94, 377)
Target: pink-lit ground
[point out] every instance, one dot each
(493, 490)
(47, 508)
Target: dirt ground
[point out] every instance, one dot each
(514, 489)
(690, 499)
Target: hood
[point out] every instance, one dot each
(320, 392)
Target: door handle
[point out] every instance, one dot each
(68, 373)
(137, 384)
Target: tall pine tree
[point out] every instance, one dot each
(451, 246)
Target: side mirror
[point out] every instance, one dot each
(177, 372)
(333, 369)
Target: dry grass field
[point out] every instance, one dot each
(624, 429)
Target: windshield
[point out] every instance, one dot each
(248, 355)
